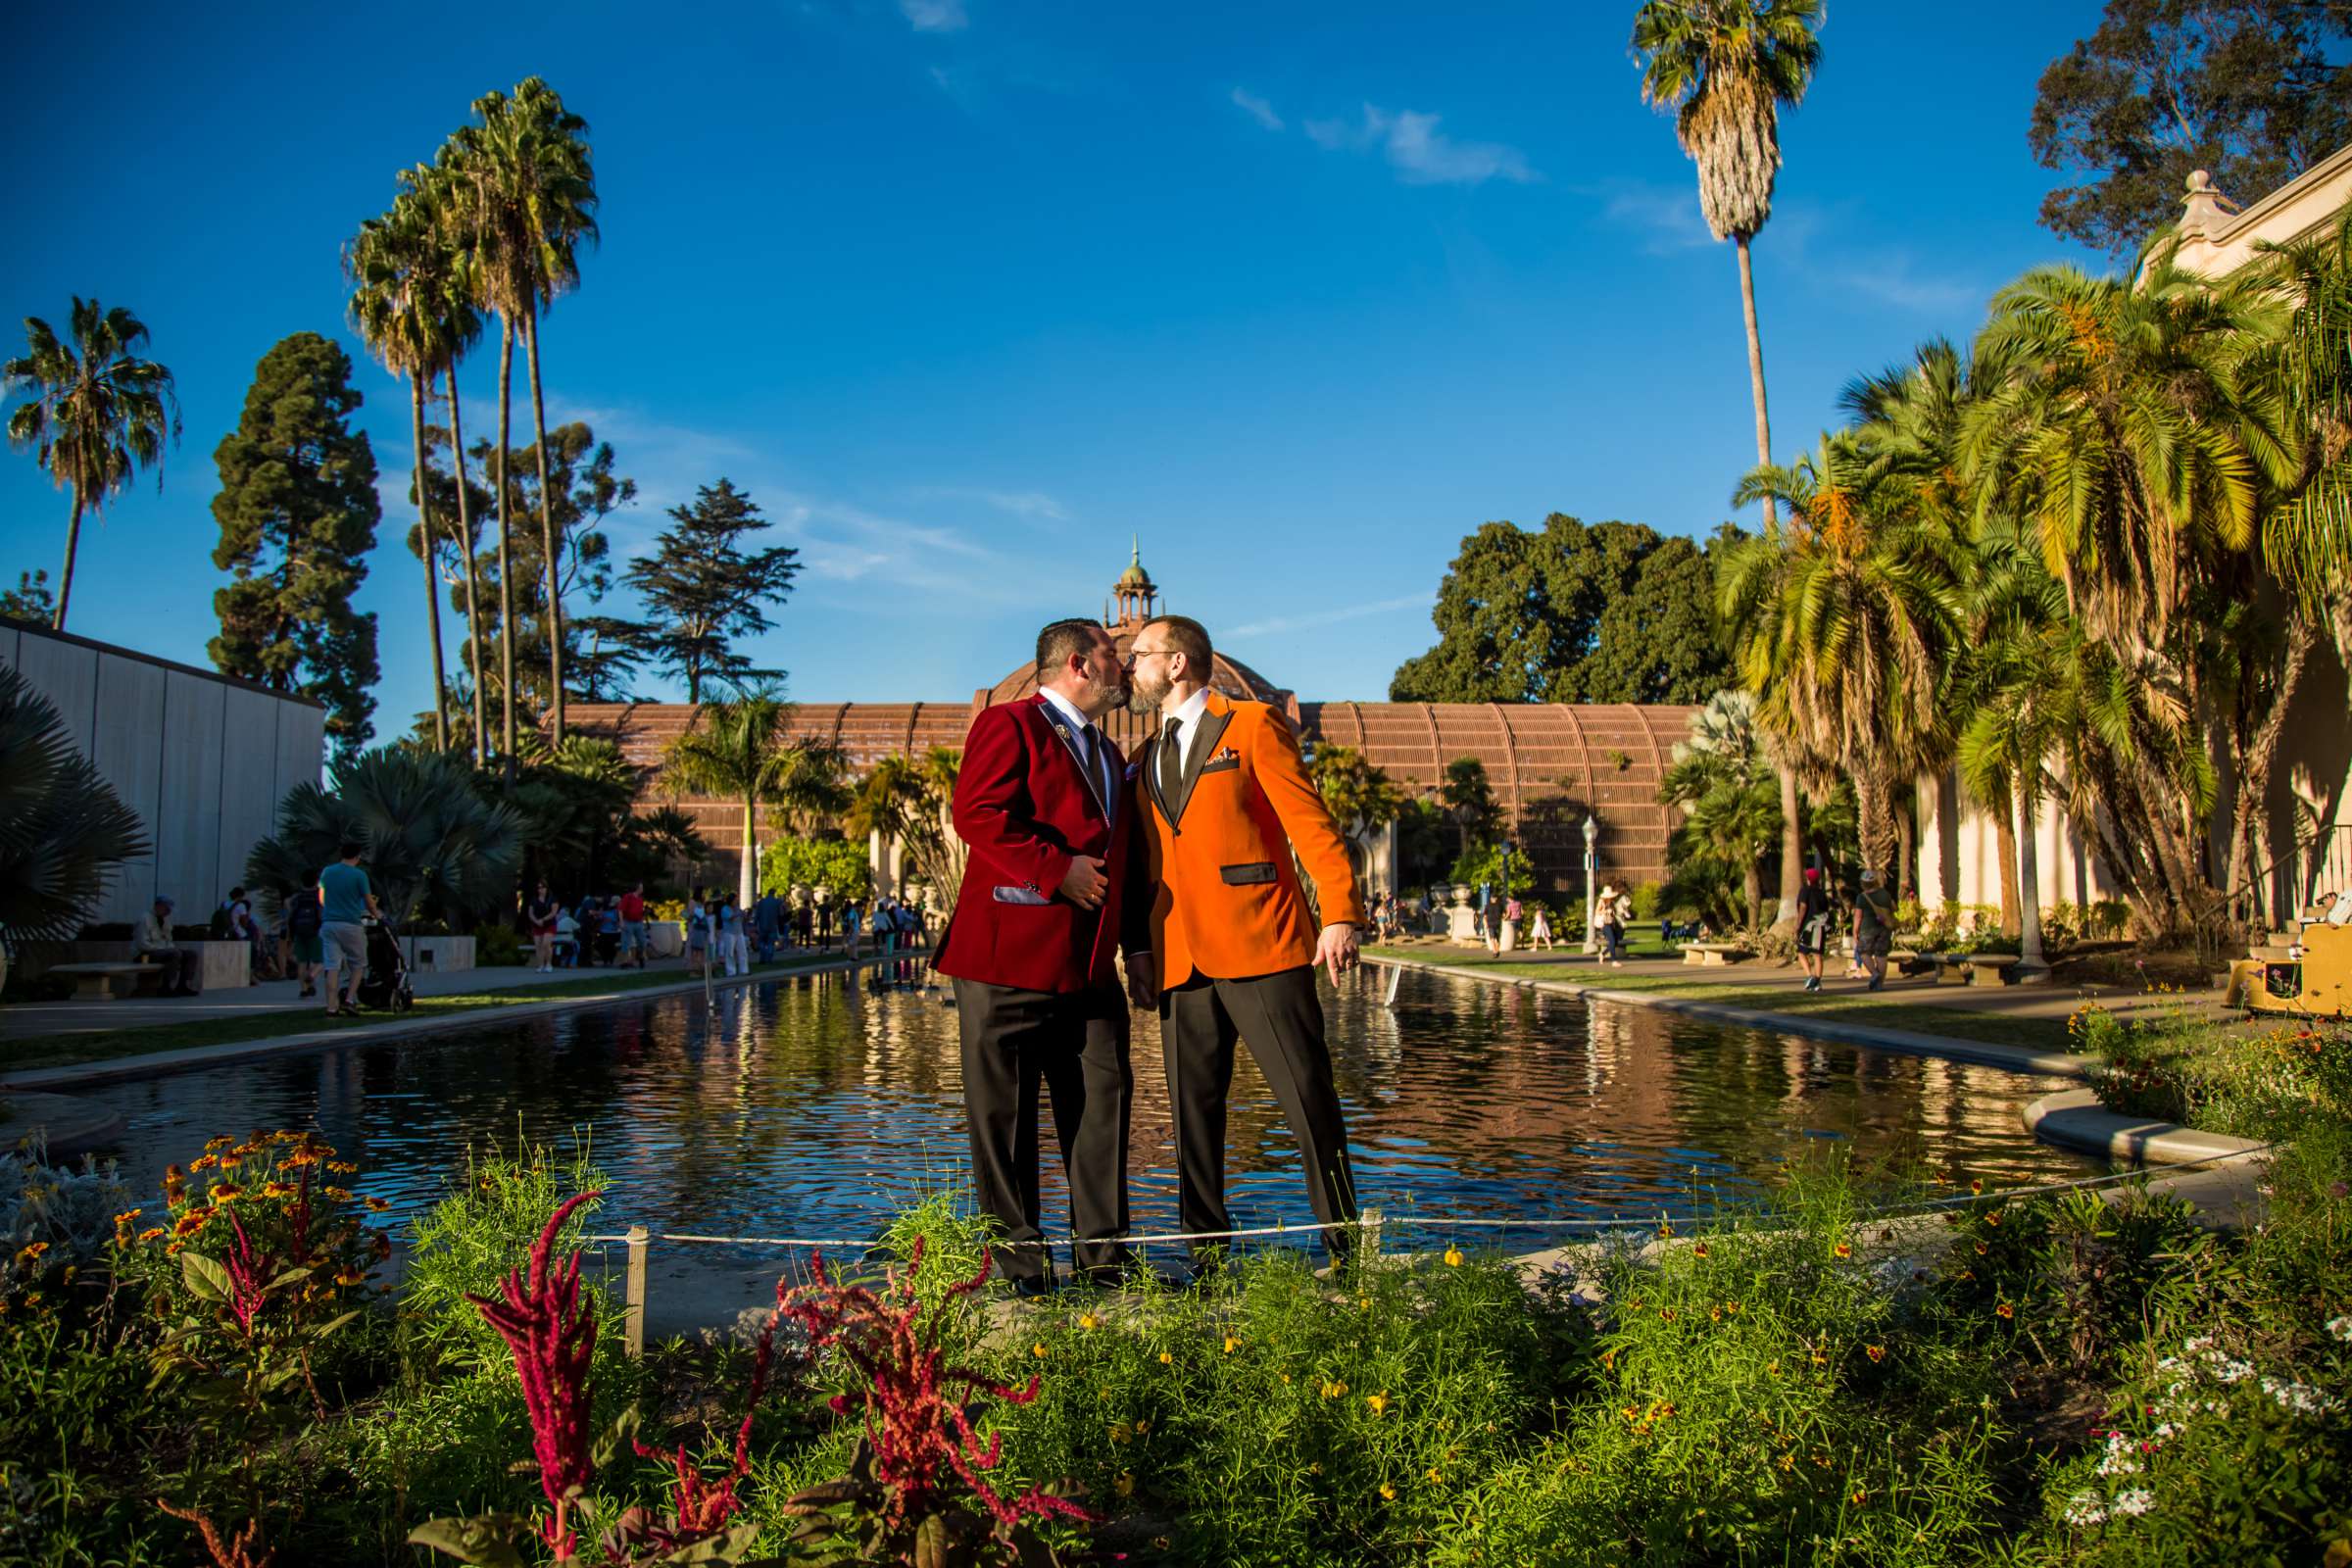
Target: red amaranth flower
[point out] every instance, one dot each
(553, 1336)
(915, 1416)
(250, 1271)
(699, 1508)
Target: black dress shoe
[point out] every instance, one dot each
(1025, 1286)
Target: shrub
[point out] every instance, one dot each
(497, 945)
(836, 863)
(1645, 897)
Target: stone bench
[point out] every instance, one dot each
(1714, 954)
(95, 982)
(1985, 969)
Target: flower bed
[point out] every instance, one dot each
(2038, 1378)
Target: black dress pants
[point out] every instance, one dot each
(1282, 1019)
(1074, 1048)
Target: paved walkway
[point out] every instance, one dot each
(26, 1020)
(2049, 1002)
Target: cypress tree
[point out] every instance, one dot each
(297, 511)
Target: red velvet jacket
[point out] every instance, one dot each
(1024, 808)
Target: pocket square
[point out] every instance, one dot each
(1223, 763)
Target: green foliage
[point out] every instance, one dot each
(1483, 867)
(1610, 612)
(2176, 1066)
(701, 590)
(64, 831)
(910, 798)
(835, 863)
(1356, 789)
(1470, 801)
(434, 844)
(297, 511)
(1724, 781)
(2254, 91)
(31, 599)
(491, 1212)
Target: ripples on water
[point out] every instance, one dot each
(808, 1108)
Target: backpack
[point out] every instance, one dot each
(304, 916)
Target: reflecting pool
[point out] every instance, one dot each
(809, 1106)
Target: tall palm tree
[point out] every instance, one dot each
(735, 752)
(97, 411)
(532, 195)
(1843, 622)
(910, 800)
(1725, 66)
(813, 788)
(1722, 779)
(407, 310)
(447, 281)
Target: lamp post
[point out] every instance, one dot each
(1591, 864)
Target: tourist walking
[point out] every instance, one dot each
(734, 948)
(345, 903)
(1539, 930)
(539, 919)
(1613, 918)
(304, 952)
(698, 932)
(632, 924)
(1874, 929)
(153, 943)
(1812, 926)
(804, 925)
(849, 930)
(1221, 937)
(825, 925)
(1039, 803)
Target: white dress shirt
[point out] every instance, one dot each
(1080, 724)
(1188, 716)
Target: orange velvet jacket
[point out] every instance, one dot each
(1214, 891)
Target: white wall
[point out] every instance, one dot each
(202, 759)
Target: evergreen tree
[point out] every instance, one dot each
(701, 590)
(297, 510)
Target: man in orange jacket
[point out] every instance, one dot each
(1219, 933)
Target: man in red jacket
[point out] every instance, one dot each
(1040, 800)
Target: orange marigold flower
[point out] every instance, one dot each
(151, 1233)
(2004, 1310)
(350, 1276)
(342, 1167)
(1843, 1250)
(1699, 1248)
(203, 1162)
(1167, 1358)
(230, 1161)
(127, 1216)
(225, 1192)
(341, 1195)
(376, 1205)
(1877, 1353)
(31, 1251)
(278, 1189)
(217, 1142)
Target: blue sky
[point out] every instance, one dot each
(967, 292)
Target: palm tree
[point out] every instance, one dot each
(64, 832)
(813, 788)
(736, 753)
(1725, 66)
(1722, 777)
(98, 412)
(407, 310)
(1843, 622)
(446, 281)
(909, 800)
(432, 841)
(2138, 440)
(530, 192)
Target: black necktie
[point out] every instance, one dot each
(1171, 761)
(1094, 765)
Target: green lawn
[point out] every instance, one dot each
(72, 1050)
(1847, 1002)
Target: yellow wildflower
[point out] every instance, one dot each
(1230, 1343)
(1379, 1403)
(1388, 1492)
(1125, 1484)
(1037, 1350)
(1086, 1320)
(1453, 1257)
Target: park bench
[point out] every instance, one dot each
(1950, 969)
(1714, 954)
(94, 982)
(1985, 969)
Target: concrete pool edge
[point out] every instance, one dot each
(195, 1058)
(1908, 1042)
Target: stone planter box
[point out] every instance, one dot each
(438, 955)
(227, 966)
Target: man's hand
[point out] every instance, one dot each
(1142, 981)
(1084, 884)
(1335, 950)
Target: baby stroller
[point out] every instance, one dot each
(386, 984)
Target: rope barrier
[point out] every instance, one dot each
(1421, 1221)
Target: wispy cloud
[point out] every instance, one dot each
(1030, 506)
(935, 15)
(1419, 152)
(1256, 108)
(1660, 218)
(1329, 617)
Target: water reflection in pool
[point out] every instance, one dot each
(807, 1107)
